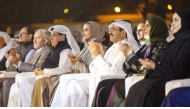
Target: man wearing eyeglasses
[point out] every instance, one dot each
(140, 34)
(25, 45)
(111, 63)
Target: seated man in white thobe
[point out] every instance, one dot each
(74, 93)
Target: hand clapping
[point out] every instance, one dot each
(95, 49)
(13, 57)
(147, 63)
(73, 58)
(125, 48)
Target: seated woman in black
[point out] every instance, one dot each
(174, 64)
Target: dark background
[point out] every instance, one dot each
(45, 11)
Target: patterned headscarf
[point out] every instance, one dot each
(159, 29)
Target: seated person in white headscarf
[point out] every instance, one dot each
(75, 93)
(56, 62)
(5, 45)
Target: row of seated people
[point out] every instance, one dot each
(153, 58)
(172, 65)
(57, 62)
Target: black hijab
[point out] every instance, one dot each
(185, 21)
(159, 29)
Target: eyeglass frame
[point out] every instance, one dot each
(22, 33)
(140, 30)
(120, 29)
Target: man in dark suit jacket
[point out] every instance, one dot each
(41, 44)
(25, 44)
(140, 34)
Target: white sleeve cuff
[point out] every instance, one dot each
(19, 64)
(48, 71)
(16, 65)
(99, 61)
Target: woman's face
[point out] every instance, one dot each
(87, 33)
(176, 24)
(55, 38)
(146, 30)
(2, 42)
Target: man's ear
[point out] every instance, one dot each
(30, 35)
(63, 38)
(45, 42)
(124, 33)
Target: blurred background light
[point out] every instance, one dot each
(117, 9)
(169, 7)
(65, 11)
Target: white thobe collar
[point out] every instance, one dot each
(117, 44)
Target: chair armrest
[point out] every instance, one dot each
(4, 74)
(176, 84)
(75, 76)
(44, 75)
(94, 81)
(130, 81)
(22, 76)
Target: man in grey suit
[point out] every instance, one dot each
(42, 45)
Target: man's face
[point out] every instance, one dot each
(140, 33)
(2, 42)
(9, 30)
(55, 38)
(24, 36)
(115, 34)
(76, 37)
(39, 40)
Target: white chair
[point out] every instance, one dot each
(4, 74)
(176, 84)
(130, 81)
(94, 81)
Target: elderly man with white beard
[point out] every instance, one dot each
(42, 49)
